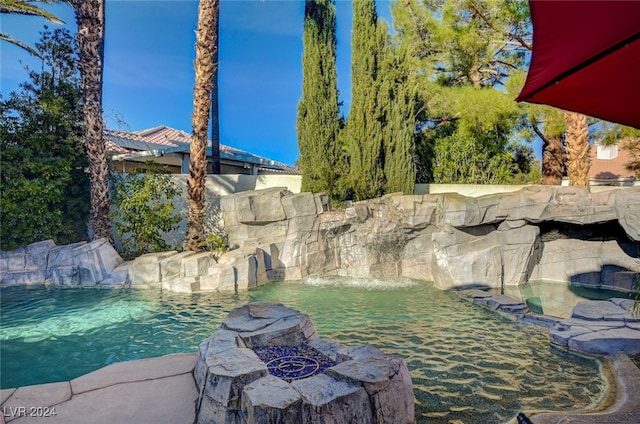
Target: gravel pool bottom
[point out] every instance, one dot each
(467, 364)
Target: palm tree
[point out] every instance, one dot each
(215, 113)
(205, 65)
(577, 145)
(24, 7)
(553, 163)
(90, 16)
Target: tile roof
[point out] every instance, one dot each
(113, 148)
(602, 169)
(163, 136)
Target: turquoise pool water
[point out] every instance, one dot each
(558, 299)
(467, 364)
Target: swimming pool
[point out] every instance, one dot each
(558, 299)
(467, 364)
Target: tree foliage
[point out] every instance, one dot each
(144, 209)
(26, 8)
(318, 111)
(397, 99)
(364, 130)
(463, 53)
(380, 131)
(45, 192)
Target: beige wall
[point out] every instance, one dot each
(469, 190)
(477, 190)
(222, 185)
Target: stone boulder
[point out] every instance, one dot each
(181, 272)
(584, 262)
(76, 264)
(599, 327)
(500, 258)
(86, 264)
(355, 384)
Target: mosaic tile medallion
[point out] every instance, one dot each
(293, 362)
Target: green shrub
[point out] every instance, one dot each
(144, 210)
(44, 187)
(215, 243)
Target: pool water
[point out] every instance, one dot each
(558, 299)
(467, 364)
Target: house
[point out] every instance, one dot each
(608, 166)
(170, 147)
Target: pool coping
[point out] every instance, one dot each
(154, 390)
(622, 405)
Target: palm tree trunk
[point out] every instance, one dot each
(552, 155)
(90, 16)
(215, 113)
(577, 137)
(206, 47)
(552, 160)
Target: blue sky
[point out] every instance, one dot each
(149, 53)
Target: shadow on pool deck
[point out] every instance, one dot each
(162, 390)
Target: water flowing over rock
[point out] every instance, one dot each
(362, 385)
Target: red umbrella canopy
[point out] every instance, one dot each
(586, 58)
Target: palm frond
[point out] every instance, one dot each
(24, 7)
(14, 41)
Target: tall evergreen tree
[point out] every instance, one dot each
(552, 119)
(318, 111)
(365, 143)
(397, 99)
(461, 50)
(45, 187)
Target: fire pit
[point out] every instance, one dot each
(293, 362)
(266, 363)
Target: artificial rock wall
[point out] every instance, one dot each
(539, 233)
(563, 234)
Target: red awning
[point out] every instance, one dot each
(586, 58)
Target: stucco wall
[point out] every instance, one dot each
(216, 187)
(477, 190)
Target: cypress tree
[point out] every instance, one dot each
(364, 127)
(397, 99)
(318, 110)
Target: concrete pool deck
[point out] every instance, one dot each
(162, 390)
(154, 391)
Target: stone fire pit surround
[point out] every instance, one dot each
(235, 386)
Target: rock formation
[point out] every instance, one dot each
(78, 264)
(362, 385)
(539, 233)
(563, 234)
